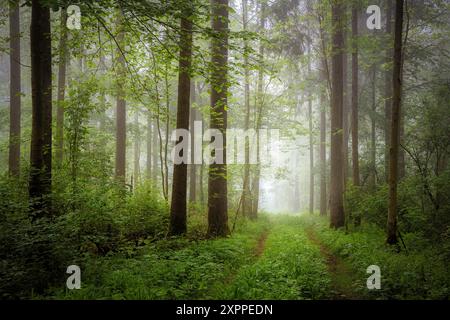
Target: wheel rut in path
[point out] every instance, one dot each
(342, 278)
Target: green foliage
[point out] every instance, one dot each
(420, 273)
(291, 267)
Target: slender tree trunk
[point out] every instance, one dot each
(137, 150)
(323, 148)
(121, 116)
(61, 89)
(260, 106)
(178, 211)
(14, 90)
(154, 154)
(355, 76)
(388, 90)
(217, 184)
(246, 195)
(41, 131)
(395, 125)
(193, 166)
(311, 145)
(149, 145)
(373, 150)
(336, 185)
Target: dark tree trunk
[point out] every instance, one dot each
(193, 166)
(336, 185)
(345, 113)
(41, 131)
(217, 183)
(355, 125)
(121, 113)
(388, 90)
(179, 184)
(14, 90)
(323, 148)
(395, 125)
(137, 150)
(61, 89)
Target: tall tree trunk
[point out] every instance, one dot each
(311, 143)
(14, 89)
(121, 113)
(148, 166)
(61, 89)
(260, 106)
(179, 184)
(154, 154)
(373, 150)
(193, 166)
(217, 183)
(355, 76)
(41, 131)
(345, 112)
(323, 147)
(137, 150)
(336, 185)
(388, 90)
(246, 195)
(395, 125)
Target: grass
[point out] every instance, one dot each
(281, 257)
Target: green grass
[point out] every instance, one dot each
(168, 269)
(290, 268)
(420, 273)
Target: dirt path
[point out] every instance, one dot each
(260, 246)
(341, 274)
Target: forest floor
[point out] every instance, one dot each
(277, 257)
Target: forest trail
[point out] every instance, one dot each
(341, 274)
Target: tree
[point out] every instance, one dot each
(336, 182)
(246, 194)
(148, 164)
(311, 142)
(354, 125)
(395, 125)
(217, 182)
(59, 139)
(121, 112)
(14, 89)
(41, 132)
(259, 112)
(388, 89)
(179, 186)
(323, 146)
(193, 166)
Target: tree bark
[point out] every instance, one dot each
(41, 131)
(61, 89)
(148, 165)
(311, 144)
(121, 113)
(395, 125)
(388, 90)
(217, 183)
(193, 166)
(14, 90)
(355, 78)
(323, 147)
(178, 208)
(246, 194)
(373, 149)
(336, 185)
(137, 150)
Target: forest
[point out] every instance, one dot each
(224, 150)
